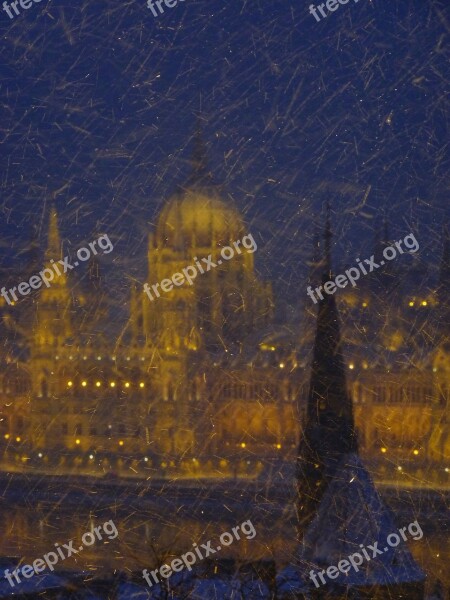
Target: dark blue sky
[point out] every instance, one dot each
(99, 104)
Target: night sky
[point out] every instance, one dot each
(100, 101)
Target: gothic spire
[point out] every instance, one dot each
(200, 172)
(329, 432)
(54, 248)
(444, 270)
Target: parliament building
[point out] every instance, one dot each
(202, 381)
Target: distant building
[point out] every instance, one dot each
(200, 380)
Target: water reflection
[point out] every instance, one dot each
(147, 537)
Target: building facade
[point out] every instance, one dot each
(200, 380)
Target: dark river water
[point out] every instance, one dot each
(153, 523)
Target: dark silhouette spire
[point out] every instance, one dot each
(201, 175)
(444, 270)
(443, 289)
(329, 432)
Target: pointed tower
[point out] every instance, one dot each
(339, 509)
(53, 307)
(201, 175)
(329, 431)
(443, 291)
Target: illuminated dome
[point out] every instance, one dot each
(198, 218)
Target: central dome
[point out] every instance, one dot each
(199, 218)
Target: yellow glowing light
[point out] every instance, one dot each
(6, 436)
(112, 384)
(70, 383)
(120, 442)
(91, 456)
(424, 303)
(141, 385)
(40, 454)
(351, 366)
(411, 303)
(384, 450)
(127, 385)
(399, 469)
(77, 442)
(279, 446)
(18, 439)
(84, 383)
(243, 445)
(98, 383)
(281, 365)
(146, 459)
(416, 452)
(365, 304)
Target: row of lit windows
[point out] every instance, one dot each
(384, 450)
(99, 358)
(112, 384)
